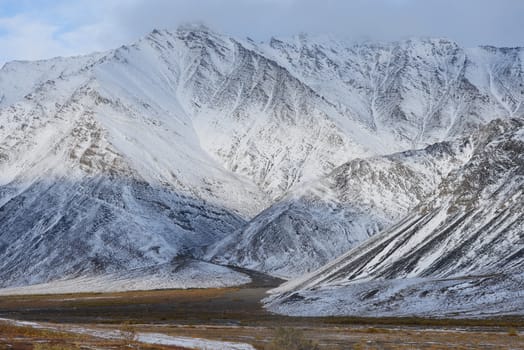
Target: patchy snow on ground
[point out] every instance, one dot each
(192, 343)
(148, 338)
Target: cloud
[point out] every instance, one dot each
(29, 39)
(39, 28)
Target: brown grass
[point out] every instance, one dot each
(291, 339)
(373, 330)
(514, 322)
(55, 347)
(15, 331)
(24, 337)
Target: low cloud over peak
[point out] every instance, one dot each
(37, 29)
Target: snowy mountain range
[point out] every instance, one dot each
(460, 253)
(190, 150)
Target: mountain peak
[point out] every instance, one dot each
(194, 27)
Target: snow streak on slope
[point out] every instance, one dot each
(460, 253)
(325, 218)
(416, 91)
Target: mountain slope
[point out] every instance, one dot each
(411, 93)
(153, 151)
(325, 218)
(104, 158)
(417, 91)
(460, 253)
(99, 177)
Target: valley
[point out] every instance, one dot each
(235, 315)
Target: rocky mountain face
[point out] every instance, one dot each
(411, 94)
(326, 217)
(417, 91)
(275, 156)
(461, 253)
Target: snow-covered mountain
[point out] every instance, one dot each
(326, 217)
(459, 254)
(411, 94)
(132, 158)
(418, 91)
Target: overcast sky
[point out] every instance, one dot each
(33, 29)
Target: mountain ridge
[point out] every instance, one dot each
(190, 135)
(460, 251)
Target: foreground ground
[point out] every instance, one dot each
(228, 314)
